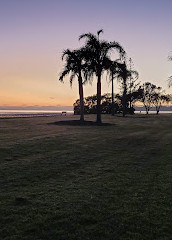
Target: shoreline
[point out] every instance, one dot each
(32, 116)
(15, 116)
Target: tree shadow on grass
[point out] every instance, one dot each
(80, 123)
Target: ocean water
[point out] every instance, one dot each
(152, 112)
(31, 113)
(41, 113)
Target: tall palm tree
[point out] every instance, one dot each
(170, 78)
(97, 59)
(170, 81)
(75, 67)
(123, 75)
(113, 68)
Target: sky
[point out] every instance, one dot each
(34, 34)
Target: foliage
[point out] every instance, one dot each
(127, 80)
(135, 95)
(93, 59)
(160, 98)
(98, 60)
(74, 66)
(133, 84)
(90, 104)
(153, 95)
(148, 92)
(170, 78)
(170, 81)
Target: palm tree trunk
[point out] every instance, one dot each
(130, 101)
(81, 96)
(124, 98)
(99, 120)
(157, 109)
(112, 97)
(147, 109)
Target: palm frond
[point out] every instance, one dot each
(66, 52)
(170, 81)
(71, 78)
(87, 35)
(117, 47)
(63, 74)
(92, 41)
(135, 73)
(100, 31)
(71, 55)
(88, 74)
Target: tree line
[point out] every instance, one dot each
(93, 59)
(147, 94)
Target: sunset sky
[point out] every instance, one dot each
(35, 32)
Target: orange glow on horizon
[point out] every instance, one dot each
(22, 99)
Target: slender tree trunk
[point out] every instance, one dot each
(157, 109)
(124, 98)
(81, 96)
(99, 120)
(147, 110)
(130, 102)
(112, 97)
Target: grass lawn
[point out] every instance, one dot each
(64, 182)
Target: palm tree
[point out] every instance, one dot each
(112, 72)
(170, 78)
(75, 67)
(170, 81)
(123, 75)
(97, 59)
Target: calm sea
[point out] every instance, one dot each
(36, 113)
(153, 112)
(31, 113)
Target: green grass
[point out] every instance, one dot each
(86, 182)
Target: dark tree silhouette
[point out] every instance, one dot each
(149, 90)
(135, 96)
(90, 104)
(170, 81)
(170, 78)
(133, 84)
(112, 72)
(123, 75)
(160, 98)
(75, 67)
(98, 60)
